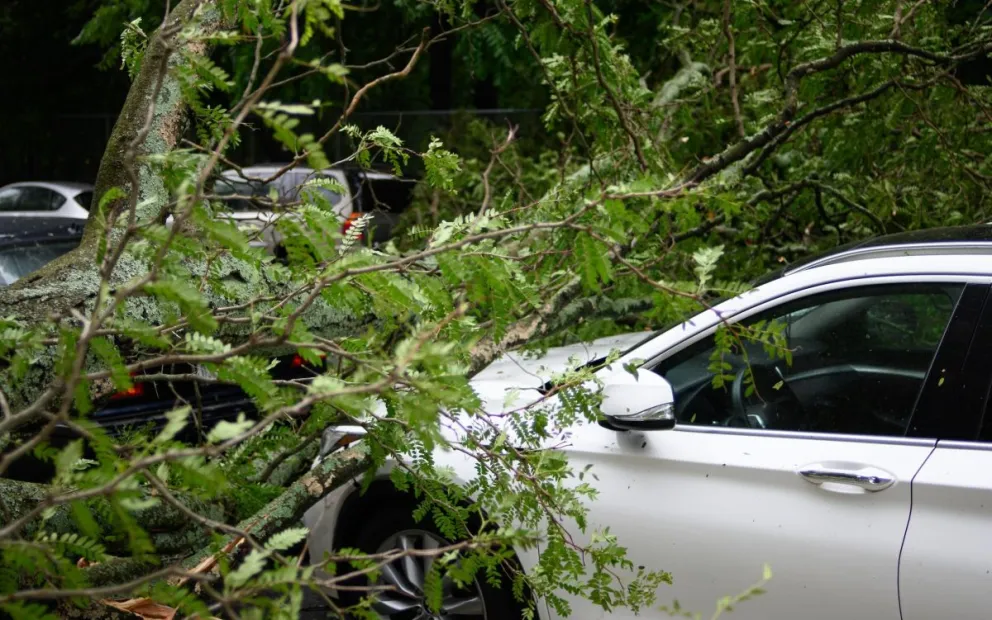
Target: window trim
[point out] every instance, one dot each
(806, 435)
(957, 444)
(966, 299)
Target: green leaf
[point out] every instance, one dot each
(286, 538)
(81, 396)
(175, 422)
(27, 611)
(325, 384)
(109, 355)
(286, 108)
(228, 430)
(706, 260)
(192, 303)
(592, 263)
(136, 504)
(440, 166)
(253, 564)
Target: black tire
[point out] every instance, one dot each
(497, 603)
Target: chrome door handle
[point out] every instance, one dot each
(868, 478)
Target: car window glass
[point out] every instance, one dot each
(57, 200)
(289, 190)
(237, 193)
(83, 199)
(844, 362)
(39, 199)
(9, 198)
(17, 262)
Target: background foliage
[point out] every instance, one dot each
(681, 149)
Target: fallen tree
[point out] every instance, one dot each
(155, 515)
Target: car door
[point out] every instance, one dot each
(809, 474)
(945, 569)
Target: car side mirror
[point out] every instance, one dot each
(647, 404)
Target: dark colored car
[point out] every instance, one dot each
(26, 244)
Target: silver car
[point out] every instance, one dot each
(356, 193)
(46, 199)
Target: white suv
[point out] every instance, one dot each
(861, 472)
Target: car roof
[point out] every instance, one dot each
(950, 240)
(17, 230)
(262, 171)
(66, 187)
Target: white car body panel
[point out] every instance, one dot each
(714, 507)
(522, 370)
(946, 568)
(512, 370)
(713, 504)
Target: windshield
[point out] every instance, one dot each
(17, 262)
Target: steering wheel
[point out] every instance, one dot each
(771, 390)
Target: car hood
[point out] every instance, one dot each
(514, 381)
(523, 372)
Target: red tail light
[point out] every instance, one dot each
(349, 222)
(298, 360)
(136, 390)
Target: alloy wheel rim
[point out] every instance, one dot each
(403, 583)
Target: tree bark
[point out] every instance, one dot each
(69, 281)
(171, 530)
(152, 119)
(287, 509)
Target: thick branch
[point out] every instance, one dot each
(172, 531)
(287, 509)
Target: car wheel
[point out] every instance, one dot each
(404, 577)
